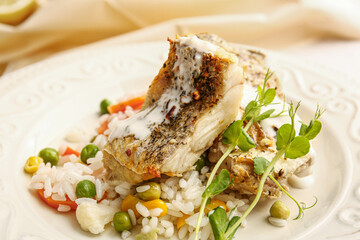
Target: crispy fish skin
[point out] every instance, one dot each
(252, 61)
(175, 144)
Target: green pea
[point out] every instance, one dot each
(122, 221)
(89, 151)
(154, 192)
(200, 163)
(49, 155)
(85, 189)
(103, 106)
(279, 210)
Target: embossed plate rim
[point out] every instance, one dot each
(10, 82)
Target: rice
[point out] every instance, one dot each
(161, 230)
(182, 195)
(166, 224)
(69, 190)
(230, 204)
(153, 222)
(47, 187)
(145, 221)
(182, 183)
(125, 234)
(205, 232)
(99, 189)
(155, 212)
(132, 217)
(58, 197)
(63, 208)
(142, 210)
(39, 178)
(116, 203)
(123, 189)
(36, 185)
(62, 149)
(143, 188)
(83, 168)
(169, 232)
(145, 229)
(192, 220)
(175, 213)
(84, 200)
(100, 141)
(183, 231)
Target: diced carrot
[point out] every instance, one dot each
(103, 127)
(135, 103)
(181, 221)
(55, 204)
(130, 203)
(214, 204)
(70, 151)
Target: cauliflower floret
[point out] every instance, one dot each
(93, 217)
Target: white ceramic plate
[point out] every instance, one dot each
(38, 103)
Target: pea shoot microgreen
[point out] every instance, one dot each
(260, 165)
(312, 130)
(236, 135)
(220, 223)
(220, 183)
(287, 144)
(301, 206)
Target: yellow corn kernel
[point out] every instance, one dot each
(157, 203)
(214, 204)
(130, 203)
(32, 164)
(181, 221)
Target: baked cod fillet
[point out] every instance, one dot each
(253, 62)
(195, 96)
(241, 164)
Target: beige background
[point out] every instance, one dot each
(324, 31)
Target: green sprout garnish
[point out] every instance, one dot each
(288, 145)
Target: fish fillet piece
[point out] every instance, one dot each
(252, 61)
(241, 164)
(195, 96)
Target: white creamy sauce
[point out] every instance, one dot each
(269, 124)
(303, 179)
(140, 125)
(301, 182)
(277, 222)
(198, 44)
(186, 67)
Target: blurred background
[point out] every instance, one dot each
(322, 31)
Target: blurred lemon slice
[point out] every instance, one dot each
(15, 11)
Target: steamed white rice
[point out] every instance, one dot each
(181, 195)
